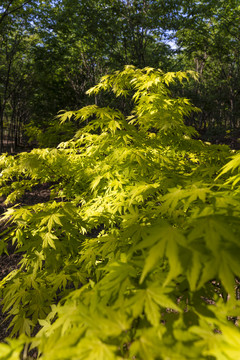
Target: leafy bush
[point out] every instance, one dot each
(136, 255)
(50, 137)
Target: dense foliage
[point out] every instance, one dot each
(136, 255)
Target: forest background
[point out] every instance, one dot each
(51, 52)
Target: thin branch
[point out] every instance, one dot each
(6, 12)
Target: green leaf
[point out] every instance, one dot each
(48, 240)
(194, 270)
(152, 309)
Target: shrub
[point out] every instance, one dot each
(136, 255)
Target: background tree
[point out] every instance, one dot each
(16, 42)
(208, 40)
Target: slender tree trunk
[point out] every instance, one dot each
(1, 130)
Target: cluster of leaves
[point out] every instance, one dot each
(136, 254)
